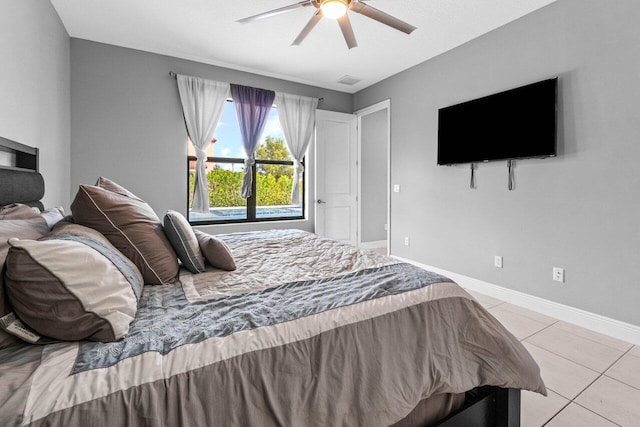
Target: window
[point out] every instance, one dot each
(272, 175)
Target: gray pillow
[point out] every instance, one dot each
(184, 241)
(215, 251)
(61, 298)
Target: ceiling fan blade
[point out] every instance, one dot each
(275, 12)
(307, 28)
(347, 31)
(382, 17)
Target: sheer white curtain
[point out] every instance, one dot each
(297, 116)
(202, 105)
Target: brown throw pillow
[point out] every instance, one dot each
(132, 227)
(215, 251)
(114, 187)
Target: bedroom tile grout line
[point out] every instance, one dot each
(566, 358)
(584, 389)
(570, 401)
(620, 381)
(558, 321)
(524, 315)
(537, 332)
(602, 374)
(557, 413)
(598, 342)
(594, 412)
(583, 407)
(577, 363)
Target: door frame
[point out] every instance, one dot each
(382, 105)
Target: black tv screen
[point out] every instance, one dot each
(515, 124)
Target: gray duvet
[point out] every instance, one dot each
(306, 332)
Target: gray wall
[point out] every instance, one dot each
(34, 88)
(126, 123)
(373, 170)
(580, 210)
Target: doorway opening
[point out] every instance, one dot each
(374, 177)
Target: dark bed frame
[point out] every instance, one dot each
(487, 406)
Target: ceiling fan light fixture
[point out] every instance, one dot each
(334, 9)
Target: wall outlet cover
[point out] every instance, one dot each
(558, 274)
(497, 261)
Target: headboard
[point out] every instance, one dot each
(20, 181)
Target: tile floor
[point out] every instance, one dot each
(592, 379)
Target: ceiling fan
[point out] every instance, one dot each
(336, 9)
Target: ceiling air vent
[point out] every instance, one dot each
(349, 80)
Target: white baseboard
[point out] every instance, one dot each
(373, 245)
(595, 322)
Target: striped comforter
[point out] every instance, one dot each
(306, 332)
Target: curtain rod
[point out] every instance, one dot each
(174, 75)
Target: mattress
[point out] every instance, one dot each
(306, 331)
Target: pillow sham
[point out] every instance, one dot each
(23, 222)
(18, 211)
(215, 251)
(184, 241)
(72, 286)
(132, 227)
(70, 231)
(52, 216)
(114, 187)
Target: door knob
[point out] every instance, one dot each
(320, 201)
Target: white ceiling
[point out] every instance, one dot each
(206, 31)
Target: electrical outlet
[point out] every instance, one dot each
(386, 227)
(558, 274)
(406, 241)
(396, 188)
(497, 261)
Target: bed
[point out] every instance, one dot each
(305, 331)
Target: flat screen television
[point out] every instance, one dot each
(515, 124)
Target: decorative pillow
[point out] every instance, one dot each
(67, 230)
(52, 216)
(73, 286)
(184, 241)
(22, 222)
(18, 211)
(23, 212)
(107, 184)
(132, 227)
(215, 251)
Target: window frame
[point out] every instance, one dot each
(251, 201)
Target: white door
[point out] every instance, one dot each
(336, 176)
